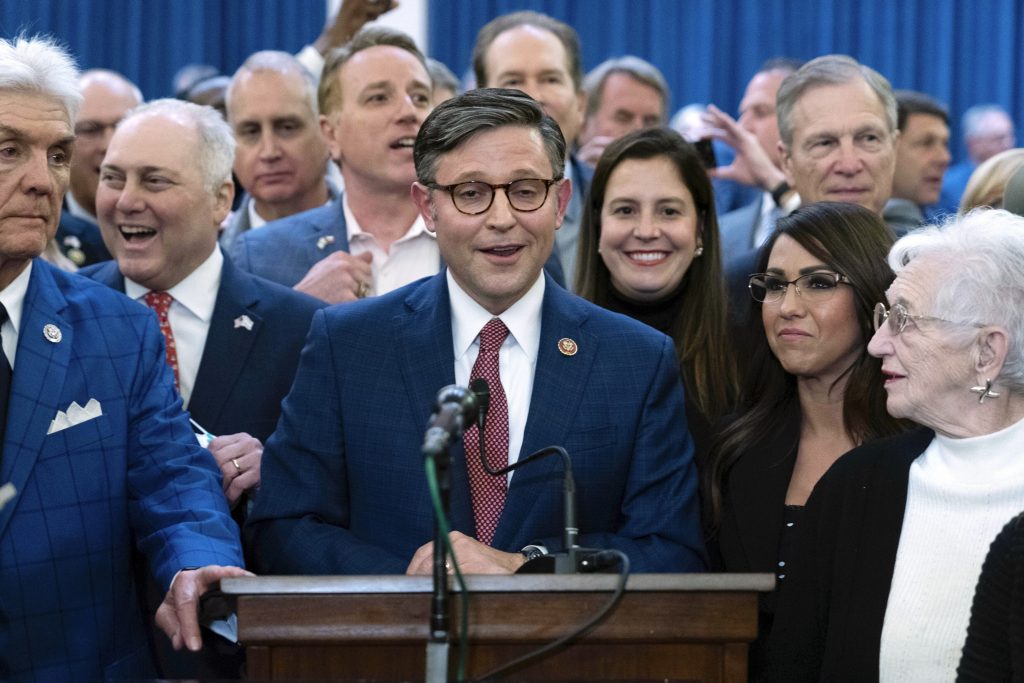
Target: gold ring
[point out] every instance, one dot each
(362, 290)
(234, 461)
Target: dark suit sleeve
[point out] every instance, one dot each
(177, 507)
(300, 522)
(659, 519)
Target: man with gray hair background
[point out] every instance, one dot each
(98, 453)
(281, 156)
(623, 94)
(837, 142)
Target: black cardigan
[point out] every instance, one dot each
(994, 650)
(832, 605)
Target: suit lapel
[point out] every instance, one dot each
(37, 389)
(427, 363)
(330, 234)
(227, 345)
(558, 391)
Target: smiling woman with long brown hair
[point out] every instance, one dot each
(649, 248)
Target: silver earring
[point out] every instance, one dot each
(698, 251)
(985, 391)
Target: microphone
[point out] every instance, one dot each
(455, 408)
(567, 563)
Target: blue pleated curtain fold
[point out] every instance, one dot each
(961, 51)
(149, 40)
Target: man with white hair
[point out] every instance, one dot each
(236, 338)
(233, 339)
(98, 453)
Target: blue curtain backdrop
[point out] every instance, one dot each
(149, 40)
(960, 51)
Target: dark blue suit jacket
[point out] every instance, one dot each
(243, 374)
(284, 250)
(77, 234)
(87, 493)
(344, 490)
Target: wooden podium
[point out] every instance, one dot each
(374, 628)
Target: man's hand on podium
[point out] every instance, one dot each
(178, 615)
(473, 557)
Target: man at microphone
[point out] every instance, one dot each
(343, 483)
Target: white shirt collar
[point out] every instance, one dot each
(255, 219)
(13, 296)
(194, 291)
(353, 228)
(521, 318)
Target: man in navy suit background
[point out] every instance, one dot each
(344, 490)
(373, 95)
(95, 443)
(237, 337)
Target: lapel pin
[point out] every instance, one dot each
(567, 346)
(77, 256)
(324, 241)
(243, 321)
(52, 333)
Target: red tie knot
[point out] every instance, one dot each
(493, 335)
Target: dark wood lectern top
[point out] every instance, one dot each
(582, 583)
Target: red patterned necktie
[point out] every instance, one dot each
(160, 302)
(489, 491)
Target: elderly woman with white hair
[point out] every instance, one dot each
(895, 534)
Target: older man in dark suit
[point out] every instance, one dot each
(233, 338)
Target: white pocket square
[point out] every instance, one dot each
(75, 414)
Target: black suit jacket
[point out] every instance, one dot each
(244, 373)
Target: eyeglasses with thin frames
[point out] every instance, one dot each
(898, 316)
(812, 287)
(475, 196)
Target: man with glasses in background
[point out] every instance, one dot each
(561, 371)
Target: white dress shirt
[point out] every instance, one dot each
(189, 315)
(13, 298)
(411, 257)
(517, 359)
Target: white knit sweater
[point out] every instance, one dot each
(961, 493)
